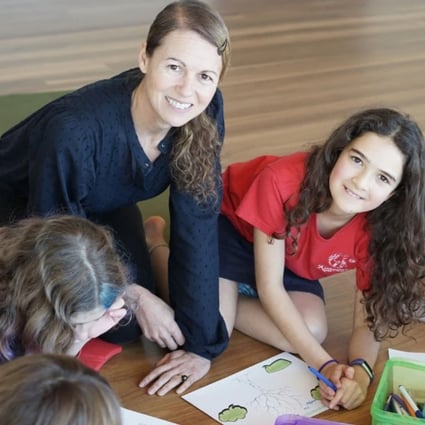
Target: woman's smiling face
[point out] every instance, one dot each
(181, 77)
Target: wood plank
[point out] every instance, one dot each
(298, 69)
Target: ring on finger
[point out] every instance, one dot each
(184, 378)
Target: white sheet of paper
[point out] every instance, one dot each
(407, 355)
(130, 417)
(260, 393)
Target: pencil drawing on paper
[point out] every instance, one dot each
(259, 394)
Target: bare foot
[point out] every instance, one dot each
(155, 232)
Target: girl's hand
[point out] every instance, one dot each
(354, 393)
(335, 372)
(351, 395)
(178, 369)
(351, 387)
(355, 388)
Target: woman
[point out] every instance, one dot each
(99, 150)
(52, 389)
(61, 284)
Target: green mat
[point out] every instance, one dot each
(15, 107)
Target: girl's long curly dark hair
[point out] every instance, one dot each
(196, 151)
(397, 227)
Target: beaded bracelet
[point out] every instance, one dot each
(326, 363)
(366, 367)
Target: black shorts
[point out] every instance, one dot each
(237, 262)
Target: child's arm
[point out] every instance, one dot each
(269, 268)
(364, 346)
(362, 343)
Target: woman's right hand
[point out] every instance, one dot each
(155, 317)
(168, 372)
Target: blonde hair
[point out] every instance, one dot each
(49, 389)
(50, 269)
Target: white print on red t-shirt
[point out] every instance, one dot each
(337, 263)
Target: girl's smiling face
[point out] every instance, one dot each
(365, 175)
(181, 77)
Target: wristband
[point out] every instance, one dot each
(365, 365)
(326, 363)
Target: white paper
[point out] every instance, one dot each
(259, 394)
(130, 417)
(407, 355)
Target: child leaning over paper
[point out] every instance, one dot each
(356, 202)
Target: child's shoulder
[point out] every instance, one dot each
(292, 163)
(269, 166)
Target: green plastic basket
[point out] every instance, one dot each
(396, 372)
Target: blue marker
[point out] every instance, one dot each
(322, 378)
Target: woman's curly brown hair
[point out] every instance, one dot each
(397, 227)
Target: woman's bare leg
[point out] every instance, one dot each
(228, 302)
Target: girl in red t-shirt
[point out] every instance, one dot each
(356, 202)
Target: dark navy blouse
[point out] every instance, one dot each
(80, 154)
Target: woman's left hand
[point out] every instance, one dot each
(178, 369)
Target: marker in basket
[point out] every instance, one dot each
(399, 400)
(387, 405)
(322, 378)
(411, 405)
(398, 406)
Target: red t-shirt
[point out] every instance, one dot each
(254, 194)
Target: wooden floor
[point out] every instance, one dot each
(299, 67)
(126, 370)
